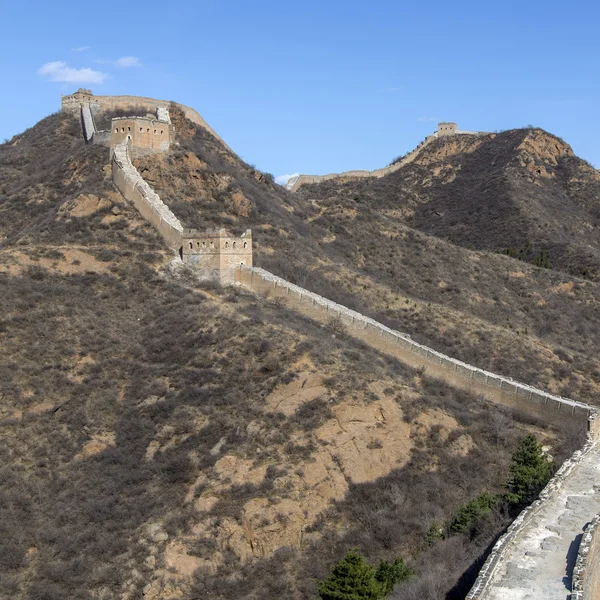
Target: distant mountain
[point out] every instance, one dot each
(522, 192)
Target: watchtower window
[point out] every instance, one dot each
(161, 132)
(204, 244)
(212, 244)
(123, 129)
(234, 244)
(141, 129)
(129, 129)
(148, 130)
(245, 245)
(155, 131)
(116, 130)
(226, 244)
(191, 245)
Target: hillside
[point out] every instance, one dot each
(169, 439)
(522, 190)
(356, 242)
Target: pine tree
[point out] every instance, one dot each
(530, 471)
(389, 574)
(354, 579)
(351, 579)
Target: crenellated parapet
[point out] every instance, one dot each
(72, 103)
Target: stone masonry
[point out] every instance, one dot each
(586, 575)
(447, 129)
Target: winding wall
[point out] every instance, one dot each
(495, 387)
(150, 104)
(295, 183)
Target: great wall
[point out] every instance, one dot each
(552, 550)
(444, 129)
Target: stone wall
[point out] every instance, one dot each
(586, 575)
(213, 254)
(296, 183)
(494, 387)
(87, 121)
(499, 389)
(146, 135)
(133, 187)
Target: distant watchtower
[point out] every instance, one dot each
(74, 102)
(447, 129)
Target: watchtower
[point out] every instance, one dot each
(216, 254)
(447, 129)
(73, 102)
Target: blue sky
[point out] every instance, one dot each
(316, 87)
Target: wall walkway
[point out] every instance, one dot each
(536, 557)
(89, 128)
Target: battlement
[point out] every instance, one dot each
(449, 128)
(72, 103)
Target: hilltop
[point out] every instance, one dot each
(174, 439)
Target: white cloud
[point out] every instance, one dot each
(80, 49)
(426, 119)
(283, 179)
(59, 71)
(126, 62)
